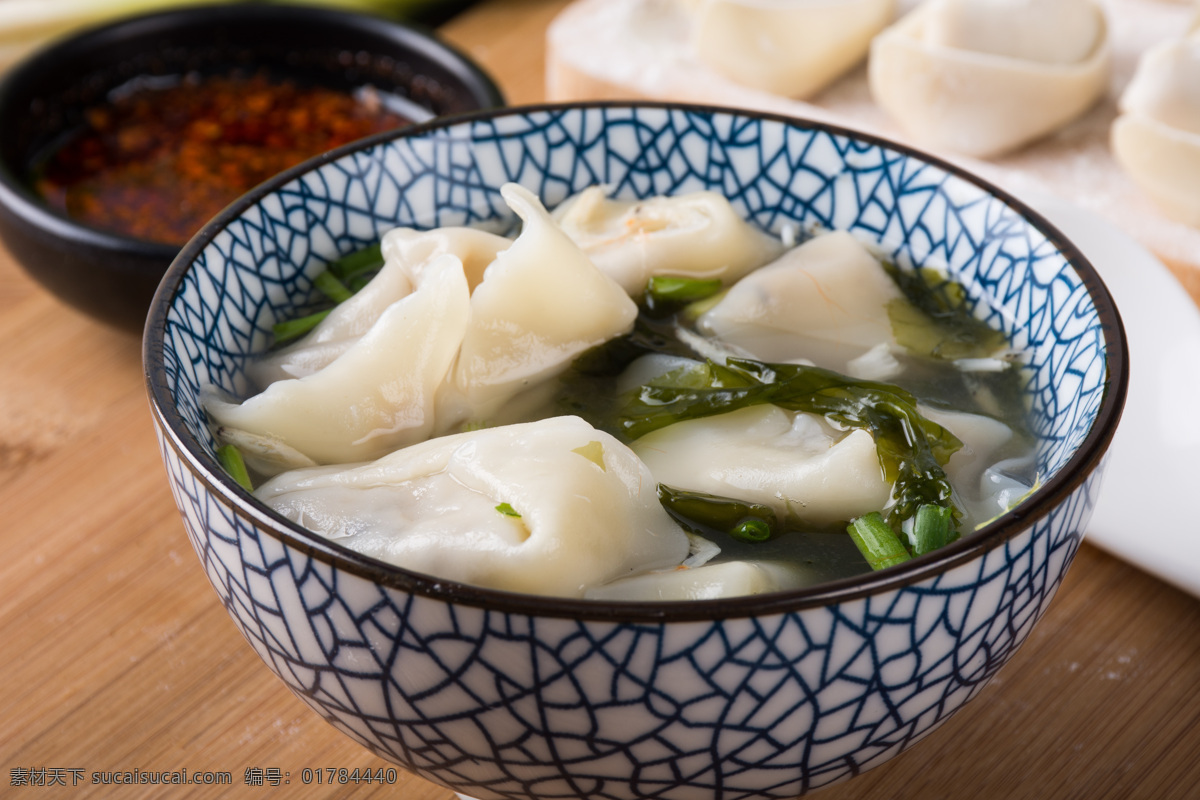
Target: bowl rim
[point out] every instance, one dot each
(25, 205)
(996, 533)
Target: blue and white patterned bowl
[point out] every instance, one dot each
(504, 696)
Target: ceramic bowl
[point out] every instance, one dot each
(499, 695)
(111, 276)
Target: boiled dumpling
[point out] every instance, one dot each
(412, 248)
(692, 235)
(417, 353)
(407, 252)
(1156, 140)
(793, 462)
(377, 395)
(983, 77)
(792, 48)
(553, 507)
(983, 440)
(540, 304)
(826, 299)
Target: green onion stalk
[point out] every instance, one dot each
(339, 282)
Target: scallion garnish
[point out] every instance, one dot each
(752, 530)
(231, 459)
(681, 290)
(339, 282)
(932, 528)
(329, 285)
(295, 328)
(876, 540)
(357, 264)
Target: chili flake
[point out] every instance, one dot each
(158, 163)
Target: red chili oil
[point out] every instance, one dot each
(157, 163)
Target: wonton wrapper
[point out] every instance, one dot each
(986, 103)
(793, 462)
(407, 253)
(540, 304)
(1156, 140)
(792, 48)
(397, 367)
(553, 507)
(825, 301)
(983, 438)
(377, 395)
(691, 235)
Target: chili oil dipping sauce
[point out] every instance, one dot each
(106, 167)
(161, 157)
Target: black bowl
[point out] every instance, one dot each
(113, 277)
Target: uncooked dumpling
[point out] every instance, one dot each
(983, 77)
(793, 462)
(825, 300)
(1156, 140)
(792, 48)
(1045, 31)
(692, 235)
(553, 507)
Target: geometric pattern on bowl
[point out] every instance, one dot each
(503, 697)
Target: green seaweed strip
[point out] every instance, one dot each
(933, 319)
(912, 448)
(700, 513)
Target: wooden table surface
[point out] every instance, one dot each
(115, 654)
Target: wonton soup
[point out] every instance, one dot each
(633, 400)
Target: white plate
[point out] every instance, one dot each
(1148, 513)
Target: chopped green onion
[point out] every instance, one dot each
(357, 283)
(231, 459)
(295, 328)
(507, 510)
(331, 287)
(752, 530)
(876, 540)
(665, 295)
(344, 278)
(681, 290)
(357, 264)
(696, 309)
(932, 528)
